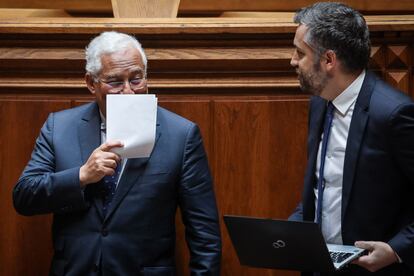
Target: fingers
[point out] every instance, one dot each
(110, 162)
(363, 260)
(365, 245)
(108, 145)
(104, 157)
(100, 163)
(379, 255)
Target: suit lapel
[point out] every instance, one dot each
(355, 137)
(134, 168)
(317, 114)
(89, 130)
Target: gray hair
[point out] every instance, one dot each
(108, 43)
(337, 27)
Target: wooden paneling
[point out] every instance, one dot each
(292, 5)
(212, 6)
(25, 242)
(13, 13)
(231, 76)
(261, 163)
(145, 8)
(72, 5)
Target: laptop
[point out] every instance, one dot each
(282, 244)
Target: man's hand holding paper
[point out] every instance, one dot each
(102, 162)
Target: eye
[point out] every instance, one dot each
(115, 83)
(136, 81)
(300, 54)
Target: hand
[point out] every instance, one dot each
(380, 255)
(100, 163)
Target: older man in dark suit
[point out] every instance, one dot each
(127, 228)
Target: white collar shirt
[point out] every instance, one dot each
(334, 161)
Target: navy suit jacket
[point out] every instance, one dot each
(137, 235)
(378, 174)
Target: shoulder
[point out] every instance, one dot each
(386, 100)
(76, 113)
(78, 110)
(175, 127)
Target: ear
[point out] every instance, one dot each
(329, 60)
(90, 83)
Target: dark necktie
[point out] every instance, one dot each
(321, 180)
(109, 187)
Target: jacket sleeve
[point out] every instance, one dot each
(402, 144)
(198, 208)
(314, 104)
(41, 189)
(297, 215)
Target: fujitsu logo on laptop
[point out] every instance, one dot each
(278, 244)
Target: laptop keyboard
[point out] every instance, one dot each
(338, 257)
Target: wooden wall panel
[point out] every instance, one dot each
(25, 242)
(260, 165)
(232, 77)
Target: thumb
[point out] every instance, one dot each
(365, 245)
(108, 145)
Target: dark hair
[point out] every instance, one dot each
(337, 27)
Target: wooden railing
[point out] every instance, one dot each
(205, 7)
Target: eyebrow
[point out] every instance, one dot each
(137, 71)
(298, 48)
(132, 72)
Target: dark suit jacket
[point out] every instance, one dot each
(378, 176)
(137, 236)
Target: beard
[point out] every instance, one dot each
(313, 81)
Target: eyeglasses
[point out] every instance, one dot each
(117, 86)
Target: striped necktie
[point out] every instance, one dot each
(109, 187)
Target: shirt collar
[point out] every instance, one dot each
(103, 121)
(348, 97)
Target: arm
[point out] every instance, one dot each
(401, 246)
(315, 105)
(40, 189)
(403, 149)
(297, 214)
(198, 208)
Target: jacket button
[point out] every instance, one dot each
(104, 232)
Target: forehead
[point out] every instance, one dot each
(299, 40)
(122, 62)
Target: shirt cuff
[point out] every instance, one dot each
(398, 257)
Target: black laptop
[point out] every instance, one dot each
(283, 244)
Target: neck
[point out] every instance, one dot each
(337, 84)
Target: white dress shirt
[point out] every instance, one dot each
(334, 161)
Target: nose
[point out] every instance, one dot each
(294, 59)
(127, 88)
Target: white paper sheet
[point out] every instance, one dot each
(131, 119)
